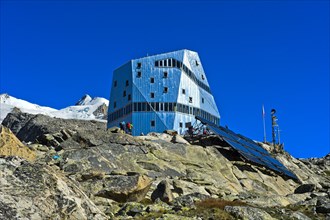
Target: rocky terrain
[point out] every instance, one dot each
(76, 169)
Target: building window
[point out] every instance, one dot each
(203, 77)
(165, 63)
(152, 95)
(202, 100)
(165, 74)
(127, 83)
(170, 62)
(152, 80)
(114, 104)
(115, 83)
(129, 98)
(180, 124)
(190, 99)
(152, 123)
(183, 91)
(139, 65)
(170, 107)
(197, 63)
(139, 74)
(156, 63)
(124, 93)
(165, 89)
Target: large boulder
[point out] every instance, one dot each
(125, 188)
(11, 146)
(323, 205)
(36, 191)
(304, 188)
(163, 192)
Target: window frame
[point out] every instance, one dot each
(165, 74)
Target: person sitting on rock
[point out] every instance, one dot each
(129, 127)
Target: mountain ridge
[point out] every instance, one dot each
(86, 108)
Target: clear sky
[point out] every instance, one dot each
(274, 53)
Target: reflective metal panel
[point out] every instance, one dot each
(250, 150)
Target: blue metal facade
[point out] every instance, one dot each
(161, 92)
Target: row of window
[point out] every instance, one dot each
(115, 83)
(161, 107)
(178, 64)
(152, 95)
(139, 74)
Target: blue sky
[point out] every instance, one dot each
(274, 53)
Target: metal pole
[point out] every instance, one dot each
(263, 118)
(273, 125)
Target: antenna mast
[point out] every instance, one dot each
(274, 124)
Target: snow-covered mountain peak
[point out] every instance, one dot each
(84, 100)
(87, 100)
(87, 108)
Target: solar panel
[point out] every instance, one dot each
(250, 150)
(243, 151)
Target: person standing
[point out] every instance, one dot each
(122, 126)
